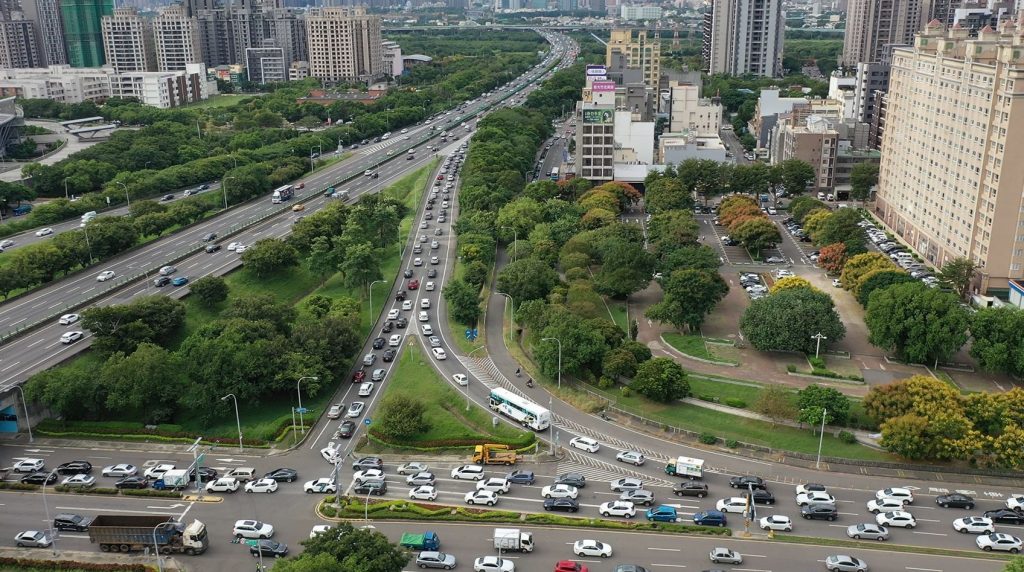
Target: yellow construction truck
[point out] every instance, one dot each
(493, 454)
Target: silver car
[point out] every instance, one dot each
(435, 560)
(844, 563)
(867, 530)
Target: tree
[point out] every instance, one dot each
(323, 259)
(800, 207)
(757, 234)
(662, 380)
(863, 177)
(832, 258)
(841, 227)
(814, 223)
(750, 179)
(836, 405)
(463, 301)
(618, 363)
(527, 279)
(860, 265)
(794, 175)
(262, 308)
(906, 436)
(122, 327)
(775, 403)
(67, 393)
(957, 275)
(210, 290)
(790, 282)
(146, 383)
(787, 319)
(701, 257)
(355, 549)
(361, 265)
(728, 215)
(520, 215)
(999, 340)
(626, 267)
(918, 323)
(879, 280)
(702, 177)
(269, 255)
(670, 230)
(401, 418)
(666, 194)
(690, 295)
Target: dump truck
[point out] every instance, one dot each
(513, 540)
(416, 541)
(129, 533)
(176, 479)
(686, 467)
(491, 454)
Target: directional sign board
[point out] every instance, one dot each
(301, 410)
(366, 421)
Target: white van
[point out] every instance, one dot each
(424, 303)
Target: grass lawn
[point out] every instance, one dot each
(221, 100)
(619, 313)
(692, 345)
(446, 411)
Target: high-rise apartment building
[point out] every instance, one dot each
(746, 37)
(640, 52)
(176, 36)
(83, 30)
(951, 182)
(128, 41)
(266, 64)
(595, 137)
(49, 29)
(344, 44)
(19, 47)
(873, 26)
(287, 27)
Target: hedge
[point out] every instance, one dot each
(134, 431)
(33, 564)
(442, 444)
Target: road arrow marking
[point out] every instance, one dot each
(231, 460)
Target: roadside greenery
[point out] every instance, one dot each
(343, 548)
(786, 320)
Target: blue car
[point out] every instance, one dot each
(521, 477)
(179, 281)
(662, 513)
(709, 518)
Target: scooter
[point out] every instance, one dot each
(529, 383)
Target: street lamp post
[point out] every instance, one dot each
(559, 359)
(85, 229)
(238, 420)
(126, 198)
(156, 546)
(817, 347)
(821, 437)
(298, 389)
(24, 404)
(319, 146)
(46, 509)
(512, 314)
(66, 195)
(370, 289)
(224, 188)
(515, 241)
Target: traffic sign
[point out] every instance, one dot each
(301, 410)
(366, 421)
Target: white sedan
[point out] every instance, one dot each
(488, 498)
(896, 518)
(777, 522)
(998, 541)
(905, 495)
(559, 492)
(592, 548)
(412, 468)
(105, 275)
(461, 379)
(815, 497)
(369, 475)
(439, 353)
(421, 478)
(71, 337)
(974, 525)
(335, 411)
(44, 231)
(29, 465)
(1016, 501)
(261, 486)
(617, 508)
(79, 481)
(425, 492)
(68, 319)
(631, 457)
(319, 529)
(157, 471)
(585, 444)
(737, 505)
(321, 485)
(882, 505)
(493, 564)
(121, 470)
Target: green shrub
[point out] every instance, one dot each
(847, 437)
(606, 382)
(627, 392)
(817, 363)
(825, 373)
(791, 368)
(708, 439)
(18, 486)
(8, 563)
(706, 397)
(735, 402)
(573, 274)
(732, 443)
(150, 493)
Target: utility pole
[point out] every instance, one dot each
(817, 347)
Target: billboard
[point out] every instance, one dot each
(603, 116)
(596, 71)
(603, 86)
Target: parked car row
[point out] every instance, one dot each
(900, 255)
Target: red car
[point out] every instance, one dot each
(413, 284)
(570, 566)
(358, 376)
(440, 177)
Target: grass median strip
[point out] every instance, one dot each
(693, 346)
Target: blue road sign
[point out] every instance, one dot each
(469, 334)
(301, 410)
(366, 421)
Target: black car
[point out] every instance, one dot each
(161, 281)
(401, 323)
(75, 468)
(745, 482)
(212, 247)
(368, 463)
(520, 477)
(690, 489)
(210, 237)
(432, 273)
(955, 500)
(388, 326)
(39, 478)
(167, 198)
(132, 483)
(1005, 516)
(283, 475)
(389, 354)
(378, 343)
(429, 206)
(407, 273)
(75, 522)
(561, 504)
(346, 429)
(400, 296)
(575, 479)
(762, 496)
(206, 473)
(819, 511)
(378, 488)
(267, 547)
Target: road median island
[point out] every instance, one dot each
(887, 547)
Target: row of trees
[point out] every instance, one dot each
(676, 186)
(747, 223)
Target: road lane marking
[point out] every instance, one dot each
(924, 569)
(665, 549)
(670, 565)
(932, 533)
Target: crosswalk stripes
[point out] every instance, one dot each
(598, 470)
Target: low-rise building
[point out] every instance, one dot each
(690, 112)
(392, 54)
(75, 85)
(674, 148)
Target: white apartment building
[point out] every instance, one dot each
(951, 181)
(128, 41)
(344, 45)
(177, 39)
(75, 85)
(745, 37)
(674, 148)
(632, 13)
(392, 54)
(689, 112)
(634, 139)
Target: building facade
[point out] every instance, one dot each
(950, 180)
(266, 64)
(75, 85)
(128, 41)
(873, 26)
(49, 30)
(344, 45)
(83, 31)
(18, 42)
(814, 141)
(746, 37)
(633, 13)
(639, 52)
(689, 112)
(176, 36)
(392, 54)
(595, 134)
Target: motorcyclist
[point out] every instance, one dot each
(529, 382)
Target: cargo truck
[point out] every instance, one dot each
(425, 541)
(491, 454)
(513, 540)
(176, 479)
(128, 533)
(686, 467)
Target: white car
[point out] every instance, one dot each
(321, 485)
(998, 541)
(439, 353)
(393, 314)
(223, 485)
(121, 470)
(395, 341)
(29, 465)
(44, 231)
(617, 508)
(429, 286)
(488, 498)
(157, 471)
(461, 379)
(365, 389)
(592, 548)
(726, 555)
(884, 505)
(777, 522)
(261, 486)
(356, 409)
(79, 481)
(425, 492)
(412, 468)
(585, 444)
(335, 411)
(732, 504)
(407, 305)
(71, 337)
(1016, 501)
(815, 497)
(105, 275)
(631, 457)
(498, 485)
(369, 475)
(252, 529)
(559, 491)
(417, 262)
(330, 452)
(421, 478)
(68, 319)
(468, 472)
(974, 525)
(319, 529)
(905, 495)
(493, 564)
(900, 518)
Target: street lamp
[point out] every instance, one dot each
(126, 198)
(370, 289)
(238, 420)
(821, 437)
(85, 229)
(66, 195)
(156, 546)
(559, 358)
(298, 389)
(319, 146)
(512, 315)
(224, 188)
(515, 241)
(24, 404)
(817, 347)
(46, 508)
